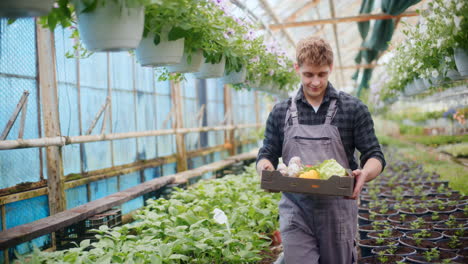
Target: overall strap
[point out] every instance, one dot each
(292, 113)
(331, 112)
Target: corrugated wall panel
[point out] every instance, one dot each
(27, 211)
(127, 181)
(76, 196)
(97, 155)
(123, 120)
(103, 188)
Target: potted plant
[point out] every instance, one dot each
(433, 256)
(395, 250)
(425, 234)
(166, 25)
(24, 8)
(104, 25)
(367, 245)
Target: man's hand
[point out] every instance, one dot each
(264, 164)
(361, 176)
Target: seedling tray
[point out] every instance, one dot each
(335, 185)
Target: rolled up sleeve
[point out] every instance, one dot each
(272, 145)
(364, 136)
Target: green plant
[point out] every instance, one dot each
(382, 257)
(435, 216)
(380, 241)
(386, 233)
(432, 254)
(182, 229)
(454, 242)
(423, 233)
(418, 241)
(417, 224)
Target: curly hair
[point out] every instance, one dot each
(314, 51)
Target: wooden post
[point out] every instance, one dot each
(229, 134)
(49, 96)
(181, 154)
(6, 259)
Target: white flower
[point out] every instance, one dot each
(447, 20)
(459, 5)
(436, 5)
(435, 73)
(419, 65)
(439, 42)
(412, 61)
(448, 59)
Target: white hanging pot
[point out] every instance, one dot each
(410, 89)
(165, 53)
(236, 77)
(419, 86)
(25, 8)
(453, 75)
(461, 60)
(111, 27)
(184, 66)
(209, 70)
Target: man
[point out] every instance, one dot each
(320, 123)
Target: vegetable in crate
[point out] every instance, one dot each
(329, 168)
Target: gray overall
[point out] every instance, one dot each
(316, 228)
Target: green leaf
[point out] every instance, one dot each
(179, 256)
(90, 7)
(177, 33)
(156, 39)
(155, 259)
(117, 259)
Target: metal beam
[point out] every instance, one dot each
(275, 17)
(359, 18)
(301, 10)
(337, 41)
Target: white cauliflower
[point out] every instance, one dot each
(283, 169)
(293, 170)
(295, 160)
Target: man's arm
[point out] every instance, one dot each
(367, 143)
(270, 152)
(371, 170)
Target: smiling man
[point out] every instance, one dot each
(320, 123)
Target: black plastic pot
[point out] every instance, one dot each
(366, 250)
(375, 259)
(442, 245)
(400, 251)
(419, 259)
(434, 235)
(394, 236)
(405, 242)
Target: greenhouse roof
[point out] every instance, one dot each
(335, 20)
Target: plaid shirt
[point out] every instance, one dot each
(352, 118)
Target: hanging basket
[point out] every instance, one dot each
(184, 66)
(454, 75)
(461, 60)
(25, 8)
(236, 77)
(209, 70)
(111, 27)
(164, 54)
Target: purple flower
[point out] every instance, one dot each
(281, 62)
(271, 72)
(250, 35)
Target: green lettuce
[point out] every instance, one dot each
(329, 168)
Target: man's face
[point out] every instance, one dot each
(314, 79)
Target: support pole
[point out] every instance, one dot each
(49, 96)
(230, 134)
(179, 123)
(14, 116)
